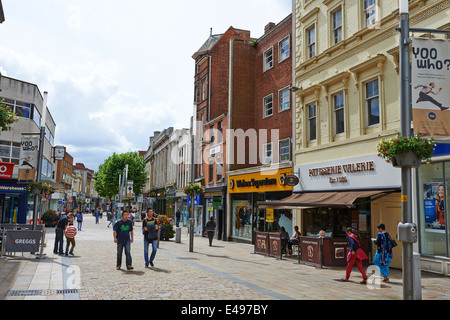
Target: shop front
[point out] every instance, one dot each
(214, 206)
(357, 192)
(14, 202)
(246, 190)
(433, 185)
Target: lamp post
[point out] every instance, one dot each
(405, 124)
(39, 159)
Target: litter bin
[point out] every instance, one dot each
(178, 235)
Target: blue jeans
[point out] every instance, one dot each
(127, 247)
(79, 225)
(154, 249)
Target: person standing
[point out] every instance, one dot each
(79, 220)
(59, 233)
(355, 256)
(150, 227)
(70, 233)
(211, 229)
(383, 256)
(123, 236)
(97, 215)
(177, 218)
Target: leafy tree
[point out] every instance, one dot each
(107, 176)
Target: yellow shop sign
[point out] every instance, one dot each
(265, 181)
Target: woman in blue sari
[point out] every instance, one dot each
(383, 257)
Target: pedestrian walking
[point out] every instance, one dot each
(177, 218)
(383, 256)
(123, 236)
(70, 233)
(355, 256)
(97, 215)
(59, 232)
(150, 231)
(211, 229)
(112, 221)
(79, 217)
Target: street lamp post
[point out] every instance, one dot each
(39, 159)
(405, 124)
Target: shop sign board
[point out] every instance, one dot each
(22, 241)
(352, 173)
(261, 181)
(6, 170)
(311, 251)
(430, 82)
(262, 243)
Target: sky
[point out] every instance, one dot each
(116, 71)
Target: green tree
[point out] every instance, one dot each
(107, 176)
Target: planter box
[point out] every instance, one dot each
(406, 160)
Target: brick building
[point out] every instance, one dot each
(242, 91)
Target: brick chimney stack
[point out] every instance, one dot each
(269, 27)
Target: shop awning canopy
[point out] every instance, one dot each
(309, 200)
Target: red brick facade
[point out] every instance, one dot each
(249, 84)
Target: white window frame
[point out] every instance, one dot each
(268, 159)
(369, 13)
(341, 109)
(265, 103)
(312, 118)
(265, 58)
(367, 103)
(281, 58)
(280, 97)
(337, 28)
(288, 140)
(310, 45)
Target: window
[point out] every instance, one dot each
(283, 51)
(312, 122)
(311, 42)
(372, 103)
(46, 167)
(10, 152)
(268, 59)
(369, 12)
(268, 153)
(268, 106)
(211, 134)
(49, 136)
(204, 90)
(21, 109)
(337, 26)
(36, 116)
(285, 150)
(338, 109)
(285, 97)
(220, 130)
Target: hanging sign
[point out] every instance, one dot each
(430, 85)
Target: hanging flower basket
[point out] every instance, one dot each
(404, 152)
(194, 188)
(7, 117)
(39, 188)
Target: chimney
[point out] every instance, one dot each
(269, 27)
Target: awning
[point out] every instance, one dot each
(309, 200)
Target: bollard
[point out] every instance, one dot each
(178, 235)
(159, 236)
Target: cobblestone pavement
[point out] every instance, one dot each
(225, 271)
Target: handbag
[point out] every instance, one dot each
(151, 233)
(393, 242)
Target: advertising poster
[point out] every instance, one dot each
(430, 86)
(434, 206)
(29, 148)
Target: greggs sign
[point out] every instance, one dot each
(260, 182)
(6, 170)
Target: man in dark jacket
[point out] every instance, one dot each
(59, 232)
(211, 228)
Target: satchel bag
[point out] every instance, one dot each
(393, 242)
(152, 234)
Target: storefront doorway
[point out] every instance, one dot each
(9, 207)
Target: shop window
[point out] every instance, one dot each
(433, 208)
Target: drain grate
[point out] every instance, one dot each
(29, 293)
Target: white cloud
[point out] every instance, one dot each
(116, 71)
